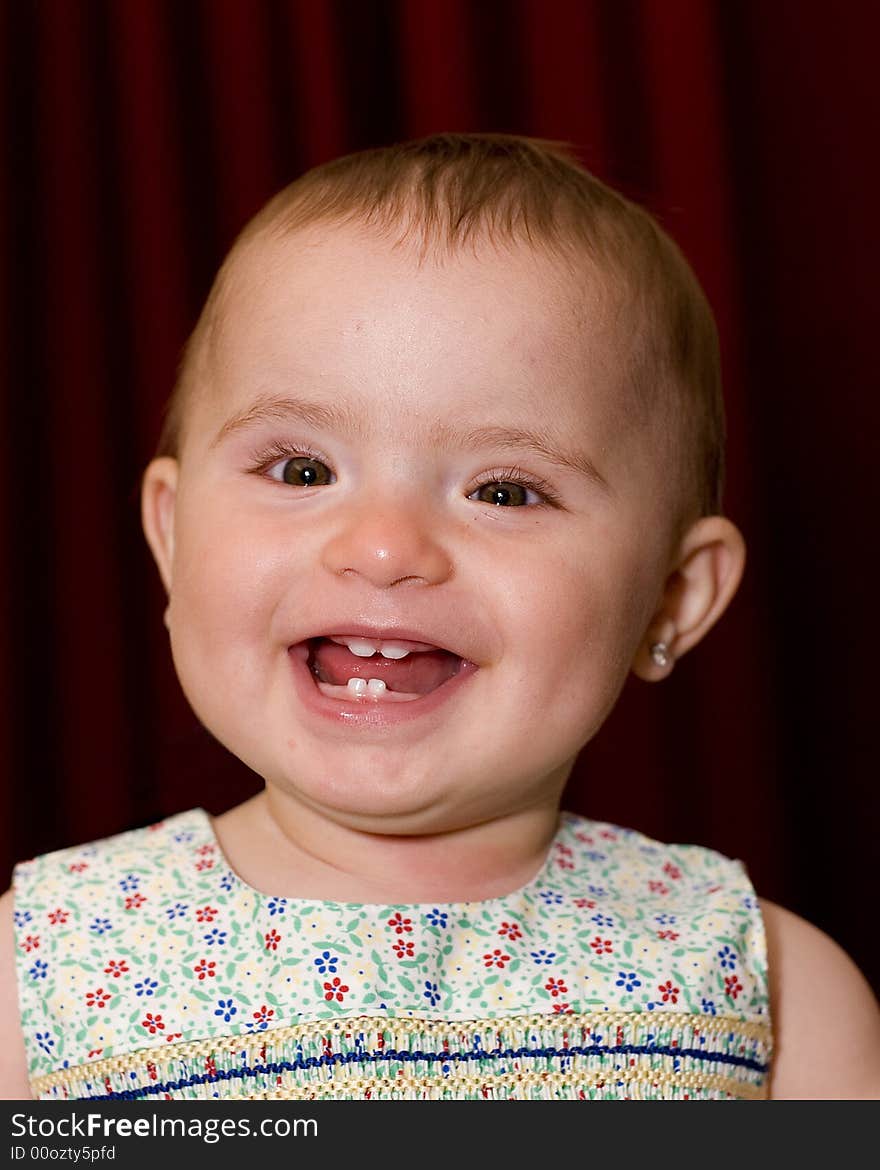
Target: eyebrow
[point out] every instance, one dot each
(333, 416)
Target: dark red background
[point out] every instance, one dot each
(140, 135)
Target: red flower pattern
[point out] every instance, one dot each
(732, 986)
(206, 913)
(496, 958)
(401, 925)
(98, 999)
(556, 987)
(404, 948)
(602, 946)
(669, 993)
(273, 938)
(335, 990)
(58, 917)
(152, 1023)
(205, 969)
(510, 930)
(116, 968)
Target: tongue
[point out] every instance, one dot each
(418, 674)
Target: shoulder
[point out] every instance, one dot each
(80, 865)
(77, 903)
(826, 1019)
(669, 877)
(14, 1084)
(601, 840)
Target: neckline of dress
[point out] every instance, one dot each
(535, 883)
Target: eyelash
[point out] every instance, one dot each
(277, 452)
(517, 476)
(268, 458)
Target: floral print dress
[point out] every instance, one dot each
(625, 969)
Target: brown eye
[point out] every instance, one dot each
(302, 472)
(502, 493)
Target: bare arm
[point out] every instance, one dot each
(14, 1085)
(826, 1019)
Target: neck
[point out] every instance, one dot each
(279, 847)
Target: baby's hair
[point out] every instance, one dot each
(451, 191)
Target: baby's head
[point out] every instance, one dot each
(459, 394)
(445, 196)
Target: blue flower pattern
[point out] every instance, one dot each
(727, 958)
(431, 993)
(543, 956)
(45, 1041)
(225, 1008)
(326, 963)
(628, 980)
(551, 897)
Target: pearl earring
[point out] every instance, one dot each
(660, 654)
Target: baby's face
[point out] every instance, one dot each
(347, 469)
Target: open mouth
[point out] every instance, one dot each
(352, 668)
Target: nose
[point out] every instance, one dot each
(388, 545)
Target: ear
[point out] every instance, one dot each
(708, 569)
(158, 497)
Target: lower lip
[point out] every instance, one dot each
(371, 713)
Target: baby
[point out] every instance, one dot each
(442, 467)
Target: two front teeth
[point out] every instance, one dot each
(373, 687)
(363, 648)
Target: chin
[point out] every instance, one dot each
(376, 810)
(363, 784)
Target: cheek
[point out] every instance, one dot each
(225, 583)
(579, 621)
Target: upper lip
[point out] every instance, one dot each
(387, 633)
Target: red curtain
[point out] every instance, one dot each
(141, 134)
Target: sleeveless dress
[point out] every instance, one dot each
(625, 969)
